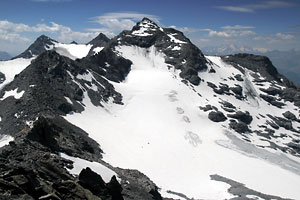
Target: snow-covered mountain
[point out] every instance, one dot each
(287, 62)
(149, 109)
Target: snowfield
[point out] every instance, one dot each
(73, 51)
(161, 132)
(11, 68)
(80, 164)
(5, 139)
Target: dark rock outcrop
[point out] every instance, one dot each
(272, 100)
(61, 136)
(283, 122)
(52, 85)
(217, 116)
(289, 115)
(31, 168)
(239, 126)
(242, 116)
(208, 108)
(109, 64)
(255, 63)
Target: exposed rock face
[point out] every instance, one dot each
(217, 116)
(255, 63)
(100, 41)
(108, 64)
(32, 169)
(179, 50)
(52, 85)
(60, 136)
(263, 66)
(239, 126)
(41, 45)
(289, 115)
(242, 116)
(284, 123)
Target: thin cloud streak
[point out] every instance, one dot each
(251, 8)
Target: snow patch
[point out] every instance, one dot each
(97, 50)
(80, 164)
(14, 93)
(5, 139)
(73, 51)
(68, 100)
(173, 39)
(11, 68)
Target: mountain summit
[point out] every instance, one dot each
(41, 44)
(145, 115)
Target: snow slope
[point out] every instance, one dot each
(161, 132)
(11, 68)
(80, 164)
(5, 139)
(72, 51)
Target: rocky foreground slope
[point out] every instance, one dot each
(146, 103)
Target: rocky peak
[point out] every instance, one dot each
(98, 43)
(99, 40)
(146, 27)
(40, 45)
(179, 51)
(256, 63)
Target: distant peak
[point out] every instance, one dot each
(40, 45)
(100, 40)
(146, 20)
(44, 37)
(146, 27)
(102, 37)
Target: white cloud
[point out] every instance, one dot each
(284, 36)
(13, 32)
(250, 8)
(118, 21)
(261, 49)
(236, 9)
(228, 33)
(237, 27)
(274, 38)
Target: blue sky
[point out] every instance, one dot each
(258, 24)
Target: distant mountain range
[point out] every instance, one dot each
(287, 62)
(4, 55)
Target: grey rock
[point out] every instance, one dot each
(289, 115)
(238, 77)
(242, 116)
(39, 46)
(217, 116)
(272, 100)
(239, 126)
